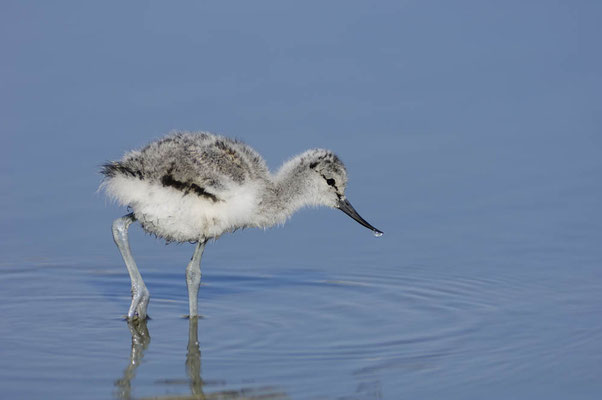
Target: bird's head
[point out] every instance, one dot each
(328, 180)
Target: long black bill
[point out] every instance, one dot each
(347, 208)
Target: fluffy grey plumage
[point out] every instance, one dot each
(197, 158)
(193, 186)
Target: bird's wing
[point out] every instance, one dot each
(198, 163)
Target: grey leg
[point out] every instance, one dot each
(140, 294)
(193, 278)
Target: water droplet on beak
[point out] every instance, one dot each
(377, 234)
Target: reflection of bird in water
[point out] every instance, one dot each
(140, 342)
(197, 186)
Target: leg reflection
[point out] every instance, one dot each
(193, 358)
(140, 341)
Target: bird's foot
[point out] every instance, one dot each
(140, 299)
(187, 316)
(135, 318)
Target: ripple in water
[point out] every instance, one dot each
(302, 331)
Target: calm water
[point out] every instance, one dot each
(439, 308)
(472, 135)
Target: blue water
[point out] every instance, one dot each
(472, 136)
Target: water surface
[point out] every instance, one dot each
(471, 132)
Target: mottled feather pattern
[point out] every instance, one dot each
(192, 186)
(199, 158)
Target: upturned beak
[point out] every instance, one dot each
(345, 206)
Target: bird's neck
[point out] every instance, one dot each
(291, 190)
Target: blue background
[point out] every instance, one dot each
(471, 131)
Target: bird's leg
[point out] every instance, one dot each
(193, 278)
(140, 294)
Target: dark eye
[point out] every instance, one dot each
(330, 181)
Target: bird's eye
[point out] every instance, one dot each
(330, 181)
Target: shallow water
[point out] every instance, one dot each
(360, 328)
(471, 132)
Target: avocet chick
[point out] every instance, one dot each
(191, 187)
